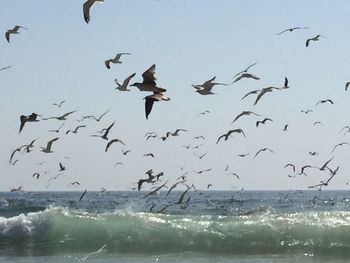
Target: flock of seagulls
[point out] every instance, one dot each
(149, 85)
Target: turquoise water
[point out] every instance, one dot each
(246, 226)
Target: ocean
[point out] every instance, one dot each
(212, 226)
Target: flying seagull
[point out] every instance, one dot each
(149, 100)
(30, 118)
(149, 81)
(94, 118)
(86, 9)
(62, 117)
(243, 113)
(347, 85)
(76, 129)
(115, 60)
(175, 133)
(340, 144)
(124, 86)
(13, 31)
(59, 104)
(324, 101)
(62, 168)
(47, 149)
(316, 38)
(148, 155)
(106, 131)
(228, 134)
(205, 88)
(322, 183)
(291, 165)
(245, 70)
(263, 121)
(291, 29)
(263, 150)
(111, 142)
(247, 76)
(1, 69)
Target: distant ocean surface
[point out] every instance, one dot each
(216, 226)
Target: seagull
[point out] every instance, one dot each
(148, 155)
(247, 76)
(302, 170)
(204, 112)
(86, 9)
(316, 38)
(126, 152)
(291, 29)
(82, 195)
(124, 86)
(57, 130)
(149, 100)
(13, 153)
(232, 173)
(205, 88)
(59, 104)
(106, 131)
(199, 137)
(340, 144)
(245, 70)
(18, 189)
(76, 129)
(149, 81)
(37, 175)
(263, 92)
(74, 183)
(347, 85)
(291, 165)
(227, 135)
(313, 153)
(30, 118)
(324, 101)
(263, 150)
(62, 117)
(115, 60)
(1, 69)
(270, 89)
(285, 127)
(13, 31)
(47, 149)
(306, 111)
(111, 142)
(175, 133)
(62, 168)
(318, 122)
(243, 113)
(263, 121)
(202, 171)
(94, 118)
(322, 183)
(243, 155)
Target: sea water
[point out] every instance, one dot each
(215, 226)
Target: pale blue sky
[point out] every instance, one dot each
(61, 57)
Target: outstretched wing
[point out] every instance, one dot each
(148, 75)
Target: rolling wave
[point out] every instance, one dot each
(62, 229)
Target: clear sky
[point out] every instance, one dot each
(61, 57)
